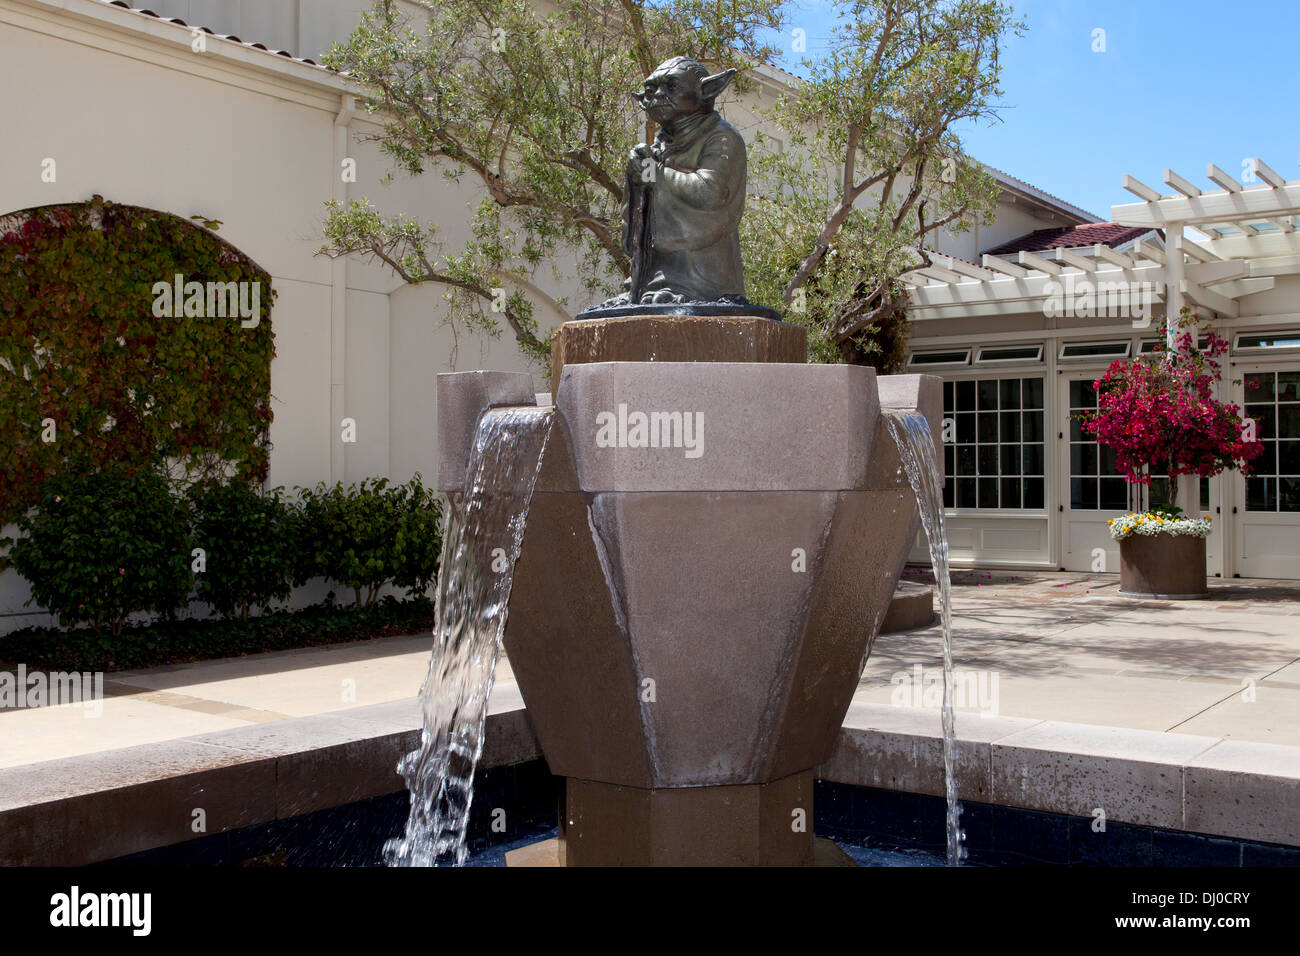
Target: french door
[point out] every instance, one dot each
(1266, 537)
(1093, 489)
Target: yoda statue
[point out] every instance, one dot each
(686, 194)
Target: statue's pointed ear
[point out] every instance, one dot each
(711, 87)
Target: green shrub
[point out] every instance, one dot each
(99, 547)
(368, 535)
(247, 551)
(175, 642)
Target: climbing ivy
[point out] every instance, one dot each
(91, 380)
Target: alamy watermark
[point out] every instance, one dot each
(624, 429)
(1078, 297)
(922, 687)
(133, 911)
(178, 298)
(20, 689)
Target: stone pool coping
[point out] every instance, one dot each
(105, 805)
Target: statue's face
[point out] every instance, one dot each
(671, 94)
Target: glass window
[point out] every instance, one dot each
(1016, 353)
(956, 357)
(1272, 340)
(1095, 483)
(1273, 401)
(996, 459)
(1080, 350)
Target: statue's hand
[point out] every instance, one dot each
(641, 163)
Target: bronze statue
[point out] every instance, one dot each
(686, 194)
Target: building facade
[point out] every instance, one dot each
(216, 108)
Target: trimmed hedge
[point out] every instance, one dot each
(243, 548)
(368, 535)
(179, 642)
(100, 547)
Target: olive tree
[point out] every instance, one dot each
(531, 103)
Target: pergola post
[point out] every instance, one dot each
(1188, 496)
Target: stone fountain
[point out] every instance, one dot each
(714, 537)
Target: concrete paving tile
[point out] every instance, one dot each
(256, 716)
(1272, 717)
(1141, 703)
(1289, 674)
(321, 685)
(36, 735)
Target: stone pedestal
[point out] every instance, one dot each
(1166, 566)
(746, 825)
(713, 543)
(676, 338)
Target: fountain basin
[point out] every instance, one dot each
(694, 599)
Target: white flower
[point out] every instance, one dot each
(1150, 523)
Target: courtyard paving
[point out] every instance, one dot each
(1067, 647)
(1049, 646)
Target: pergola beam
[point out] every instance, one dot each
(1145, 250)
(1103, 251)
(1249, 204)
(1066, 257)
(1198, 252)
(1180, 184)
(964, 268)
(1267, 173)
(1263, 245)
(1239, 287)
(940, 273)
(1028, 294)
(1038, 262)
(1220, 178)
(1141, 189)
(1214, 273)
(1210, 300)
(1006, 268)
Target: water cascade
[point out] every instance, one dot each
(912, 434)
(482, 532)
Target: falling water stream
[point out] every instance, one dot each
(481, 537)
(911, 433)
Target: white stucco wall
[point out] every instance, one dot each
(249, 139)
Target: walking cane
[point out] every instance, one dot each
(639, 239)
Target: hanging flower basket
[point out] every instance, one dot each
(1161, 555)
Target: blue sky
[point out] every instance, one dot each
(1179, 85)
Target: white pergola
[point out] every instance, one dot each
(1247, 228)
(1250, 236)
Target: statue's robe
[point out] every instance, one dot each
(696, 202)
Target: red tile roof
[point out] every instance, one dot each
(1071, 237)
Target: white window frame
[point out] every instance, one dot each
(1104, 357)
(1037, 358)
(965, 361)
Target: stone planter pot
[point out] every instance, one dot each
(1169, 566)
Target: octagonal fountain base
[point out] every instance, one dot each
(712, 545)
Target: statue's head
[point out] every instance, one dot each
(679, 88)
